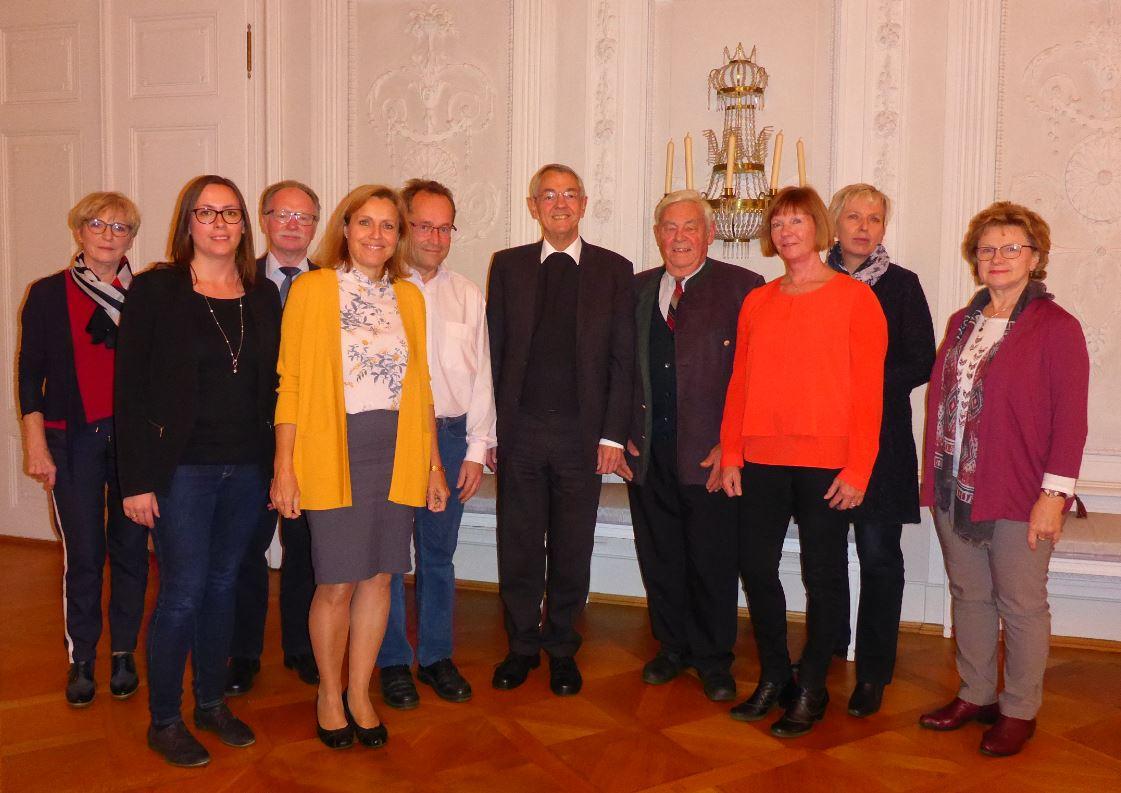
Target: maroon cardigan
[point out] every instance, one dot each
(1034, 418)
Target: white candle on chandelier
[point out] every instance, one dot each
(801, 163)
(669, 166)
(730, 169)
(776, 161)
(688, 161)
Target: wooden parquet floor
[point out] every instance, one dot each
(619, 735)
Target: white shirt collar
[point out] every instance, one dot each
(572, 250)
(272, 264)
(666, 277)
(415, 277)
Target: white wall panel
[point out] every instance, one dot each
(173, 55)
(39, 64)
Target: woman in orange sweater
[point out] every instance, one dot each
(799, 437)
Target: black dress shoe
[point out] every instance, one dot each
(367, 736)
(719, 685)
(230, 730)
(124, 681)
(808, 707)
(397, 688)
(80, 687)
(305, 666)
(339, 738)
(765, 696)
(513, 670)
(176, 744)
(662, 668)
(239, 675)
(445, 680)
(865, 699)
(564, 676)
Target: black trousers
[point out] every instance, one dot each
(91, 519)
(297, 586)
(881, 600)
(686, 538)
(772, 494)
(548, 497)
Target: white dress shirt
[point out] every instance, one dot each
(272, 269)
(665, 288)
(574, 250)
(459, 357)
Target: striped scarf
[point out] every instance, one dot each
(102, 326)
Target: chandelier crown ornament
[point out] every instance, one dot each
(740, 78)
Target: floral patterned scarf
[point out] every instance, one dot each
(955, 495)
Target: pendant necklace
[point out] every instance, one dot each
(241, 320)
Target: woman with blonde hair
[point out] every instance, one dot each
(66, 359)
(355, 443)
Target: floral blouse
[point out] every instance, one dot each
(375, 351)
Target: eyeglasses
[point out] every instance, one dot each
(206, 215)
(283, 216)
(97, 225)
(1009, 251)
(549, 196)
(427, 228)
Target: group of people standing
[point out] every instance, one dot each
(358, 398)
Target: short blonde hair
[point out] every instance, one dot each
(93, 204)
(680, 197)
(797, 199)
(858, 190)
(333, 251)
(1006, 213)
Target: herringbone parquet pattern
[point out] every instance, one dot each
(619, 735)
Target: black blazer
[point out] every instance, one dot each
(704, 346)
(47, 377)
(893, 490)
(157, 374)
(604, 344)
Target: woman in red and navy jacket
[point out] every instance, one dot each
(66, 361)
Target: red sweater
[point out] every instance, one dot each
(807, 381)
(1034, 417)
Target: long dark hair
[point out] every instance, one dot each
(180, 246)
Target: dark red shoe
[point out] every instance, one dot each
(1007, 737)
(957, 714)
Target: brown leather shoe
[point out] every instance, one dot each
(1007, 737)
(957, 714)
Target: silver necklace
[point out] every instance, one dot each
(241, 320)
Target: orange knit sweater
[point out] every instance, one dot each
(807, 381)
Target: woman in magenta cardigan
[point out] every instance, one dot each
(1005, 429)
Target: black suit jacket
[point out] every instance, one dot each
(605, 338)
(157, 374)
(48, 379)
(704, 347)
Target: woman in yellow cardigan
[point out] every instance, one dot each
(355, 443)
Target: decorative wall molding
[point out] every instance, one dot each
(152, 74)
(603, 108)
(533, 116)
(38, 64)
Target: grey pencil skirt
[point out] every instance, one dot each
(372, 535)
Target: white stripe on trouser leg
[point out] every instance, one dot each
(65, 569)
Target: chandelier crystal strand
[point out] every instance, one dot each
(738, 88)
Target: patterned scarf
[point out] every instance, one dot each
(870, 272)
(102, 326)
(955, 495)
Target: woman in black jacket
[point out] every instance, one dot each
(860, 214)
(195, 391)
(66, 359)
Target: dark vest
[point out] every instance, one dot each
(550, 380)
(663, 377)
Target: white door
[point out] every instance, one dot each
(177, 105)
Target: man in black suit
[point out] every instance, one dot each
(684, 526)
(560, 314)
(289, 212)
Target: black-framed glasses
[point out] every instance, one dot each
(1010, 251)
(97, 225)
(549, 196)
(206, 215)
(447, 230)
(302, 218)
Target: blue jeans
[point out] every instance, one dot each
(435, 537)
(207, 517)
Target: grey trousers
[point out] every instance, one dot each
(1005, 582)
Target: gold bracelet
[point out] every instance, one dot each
(1053, 493)
(434, 468)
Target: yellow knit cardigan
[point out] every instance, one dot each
(311, 395)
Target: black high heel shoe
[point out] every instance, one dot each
(367, 736)
(342, 738)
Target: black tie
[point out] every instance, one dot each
(290, 274)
